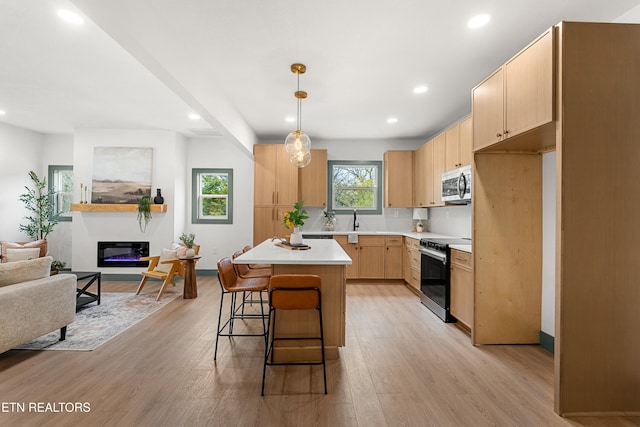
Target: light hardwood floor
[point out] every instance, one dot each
(401, 366)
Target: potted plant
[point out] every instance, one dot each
(295, 219)
(144, 212)
(39, 202)
(187, 240)
(57, 266)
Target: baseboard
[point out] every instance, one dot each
(547, 341)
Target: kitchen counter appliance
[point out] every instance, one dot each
(435, 275)
(456, 185)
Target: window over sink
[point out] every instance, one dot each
(355, 185)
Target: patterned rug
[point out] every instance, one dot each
(96, 324)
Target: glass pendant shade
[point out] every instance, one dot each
(301, 159)
(297, 141)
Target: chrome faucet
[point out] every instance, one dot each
(355, 221)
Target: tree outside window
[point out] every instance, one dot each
(212, 196)
(355, 185)
(60, 183)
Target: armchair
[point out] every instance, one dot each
(165, 267)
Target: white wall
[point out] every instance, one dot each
(548, 243)
(218, 240)
(20, 152)
(90, 227)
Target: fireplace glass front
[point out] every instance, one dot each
(122, 254)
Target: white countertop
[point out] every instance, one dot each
(464, 248)
(411, 234)
(322, 252)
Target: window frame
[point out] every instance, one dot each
(377, 210)
(53, 191)
(195, 195)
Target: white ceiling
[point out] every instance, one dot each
(148, 63)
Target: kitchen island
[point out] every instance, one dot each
(326, 259)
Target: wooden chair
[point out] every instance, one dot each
(231, 284)
(294, 292)
(167, 275)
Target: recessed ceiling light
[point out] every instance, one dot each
(479, 21)
(194, 116)
(71, 17)
(2, 113)
(420, 89)
(290, 119)
(392, 120)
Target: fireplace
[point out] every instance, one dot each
(122, 254)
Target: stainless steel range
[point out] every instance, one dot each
(435, 275)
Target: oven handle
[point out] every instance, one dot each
(434, 254)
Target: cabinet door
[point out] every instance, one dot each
(352, 271)
(286, 178)
(398, 179)
(371, 255)
(263, 220)
(423, 171)
(529, 87)
(488, 111)
(466, 141)
(452, 152)
(439, 143)
(264, 158)
(313, 180)
(462, 287)
(393, 262)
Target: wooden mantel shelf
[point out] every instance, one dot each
(100, 207)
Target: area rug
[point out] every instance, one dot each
(96, 324)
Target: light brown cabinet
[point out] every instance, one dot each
(313, 180)
(423, 172)
(393, 257)
(398, 179)
(459, 140)
(517, 97)
(411, 262)
(462, 287)
(439, 147)
(373, 257)
(278, 185)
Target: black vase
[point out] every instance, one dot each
(158, 200)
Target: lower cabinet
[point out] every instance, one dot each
(462, 287)
(411, 262)
(373, 257)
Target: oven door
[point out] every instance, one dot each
(434, 282)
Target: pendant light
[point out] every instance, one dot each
(297, 143)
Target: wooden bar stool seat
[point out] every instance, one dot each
(294, 292)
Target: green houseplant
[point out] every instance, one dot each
(188, 241)
(144, 212)
(39, 202)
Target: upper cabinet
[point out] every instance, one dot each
(313, 180)
(459, 140)
(516, 98)
(423, 176)
(439, 147)
(398, 179)
(275, 177)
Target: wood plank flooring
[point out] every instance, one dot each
(401, 366)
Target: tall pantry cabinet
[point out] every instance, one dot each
(593, 73)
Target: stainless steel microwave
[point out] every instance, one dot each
(456, 185)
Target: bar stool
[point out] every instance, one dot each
(293, 292)
(231, 284)
(244, 270)
(247, 248)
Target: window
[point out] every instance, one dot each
(60, 183)
(355, 185)
(212, 201)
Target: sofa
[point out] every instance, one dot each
(33, 303)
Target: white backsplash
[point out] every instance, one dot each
(400, 220)
(451, 220)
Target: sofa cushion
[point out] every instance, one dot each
(166, 255)
(22, 254)
(24, 271)
(40, 244)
